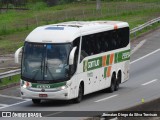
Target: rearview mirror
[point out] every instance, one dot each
(16, 55)
(71, 56)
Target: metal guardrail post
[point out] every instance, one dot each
(9, 74)
(135, 34)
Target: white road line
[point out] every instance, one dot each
(106, 98)
(150, 82)
(14, 104)
(50, 115)
(6, 96)
(138, 46)
(3, 105)
(145, 56)
(114, 118)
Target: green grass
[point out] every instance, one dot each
(15, 25)
(8, 81)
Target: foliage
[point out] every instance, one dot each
(11, 80)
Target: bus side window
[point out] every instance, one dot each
(92, 49)
(96, 45)
(123, 34)
(105, 42)
(84, 48)
(116, 39)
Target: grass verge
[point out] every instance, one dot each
(10, 80)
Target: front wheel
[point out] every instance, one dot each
(36, 101)
(80, 95)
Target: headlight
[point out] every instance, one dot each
(26, 84)
(62, 87)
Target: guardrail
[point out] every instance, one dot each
(132, 31)
(136, 29)
(9, 73)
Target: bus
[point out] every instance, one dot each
(68, 60)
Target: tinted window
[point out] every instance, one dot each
(104, 41)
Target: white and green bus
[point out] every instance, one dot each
(69, 60)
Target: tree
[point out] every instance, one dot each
(98, 5)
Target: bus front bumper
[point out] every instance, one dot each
(55, 95)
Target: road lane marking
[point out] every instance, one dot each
(145, 56)
(3, 105)
(150, 82)
(114, 118)
(52, 114)
(138, 46)
(106, 98)
(14, 104)
(6, 96)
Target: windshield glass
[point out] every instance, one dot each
(45, 62)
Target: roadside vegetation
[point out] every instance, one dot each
(9, 81)
(16, 24)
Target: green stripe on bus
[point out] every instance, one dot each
(105, 72)
(55, 85)
(116, 58)
(123, 56)
(108, 59)
(95, 63)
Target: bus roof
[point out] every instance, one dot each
(68, 31)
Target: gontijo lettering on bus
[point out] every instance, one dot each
(107, 60)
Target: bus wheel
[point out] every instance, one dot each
(117, 85)
(80, 95)
(36, 101)
(113, 84)
(118, 82)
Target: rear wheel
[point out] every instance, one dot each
(80, 95)
(113, 84)
(117, 85)
(36, 101)
(118, 81)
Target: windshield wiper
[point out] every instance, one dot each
(48, 70)
(41, 66)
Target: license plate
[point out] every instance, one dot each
(43, 95)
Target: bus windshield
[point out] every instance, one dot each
(45, 62)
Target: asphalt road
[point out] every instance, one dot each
(144, 83)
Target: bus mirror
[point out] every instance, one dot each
(16, 55)
(71, 56)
